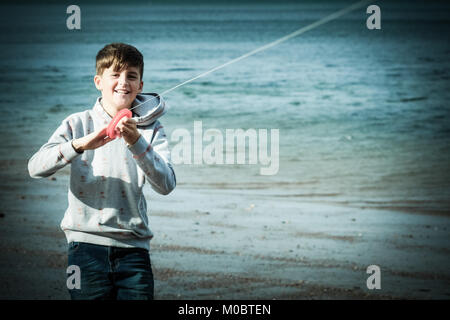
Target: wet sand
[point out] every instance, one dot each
(234, 244)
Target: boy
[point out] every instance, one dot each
(106, 222)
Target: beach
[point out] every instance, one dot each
(236, 244)
(361, 176)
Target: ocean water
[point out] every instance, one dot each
(362, 114)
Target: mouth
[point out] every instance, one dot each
(121, 91)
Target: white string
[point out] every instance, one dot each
(300, 31)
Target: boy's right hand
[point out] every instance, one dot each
(92, 141)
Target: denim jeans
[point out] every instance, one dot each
(111, 273)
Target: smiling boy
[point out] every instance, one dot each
(106, 223)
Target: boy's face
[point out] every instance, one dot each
(119, 88)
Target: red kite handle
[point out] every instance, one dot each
(111, 130)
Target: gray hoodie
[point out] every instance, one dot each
(106, 202)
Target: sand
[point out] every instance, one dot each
(234, 244)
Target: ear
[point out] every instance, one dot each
(141, 85)
(98, 82)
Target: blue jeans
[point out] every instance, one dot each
(111, 273)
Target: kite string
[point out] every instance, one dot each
(300, 31)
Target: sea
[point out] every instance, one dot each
(362, 114)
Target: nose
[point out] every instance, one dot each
(123, 80)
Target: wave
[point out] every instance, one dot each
(409, 99)
(180, 69)
(250, 185)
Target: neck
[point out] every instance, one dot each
(108, 109)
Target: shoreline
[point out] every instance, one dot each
(211, 244)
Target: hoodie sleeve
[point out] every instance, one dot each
(55, 154)
(154, 159)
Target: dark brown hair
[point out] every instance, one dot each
(120, 55)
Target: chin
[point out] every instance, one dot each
(124, 104)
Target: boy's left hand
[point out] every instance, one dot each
(128, 130)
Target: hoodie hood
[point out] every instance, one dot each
(151, 107)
